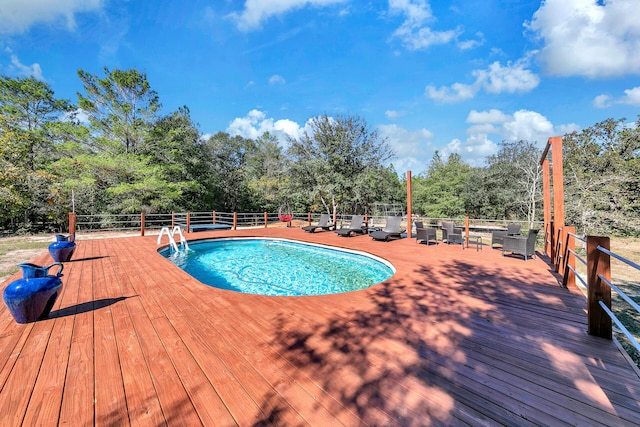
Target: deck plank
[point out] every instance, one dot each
(453, 338)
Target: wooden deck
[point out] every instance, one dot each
(456, 337)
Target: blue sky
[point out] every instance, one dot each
(455, 76)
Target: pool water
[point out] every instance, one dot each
(279, 267)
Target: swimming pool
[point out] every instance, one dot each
(279, 267)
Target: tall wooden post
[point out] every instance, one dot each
(546, 197)
(173, 219)
(265, 220)
(466, 230)
(214, 217)
(409, 202)
(72, 223)
(598, 263)
(142, 224)
(188, 222)
(235, 220)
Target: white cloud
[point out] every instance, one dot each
(588, 37)
(414, 32)
(457, 92)
(491, 116)
(602, 101)
(256, 123)
(255, 12)
(17, 16)
(412, 148)
(496, 79)
(511, 79)
(490, 125)
(529, 126)
(630, 97)
(393, 114)
(277, 80)
(470, 44)
(474, 150)
(34, 70)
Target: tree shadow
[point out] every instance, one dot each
(409, 352)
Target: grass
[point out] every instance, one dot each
(14, 250)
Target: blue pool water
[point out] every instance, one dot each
(279, 267)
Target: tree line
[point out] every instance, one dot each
(114, 152)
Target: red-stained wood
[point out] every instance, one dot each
(453, 338)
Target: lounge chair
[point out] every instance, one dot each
(497, 236)
(355, 227)
(390, 231)
(451, 233)
(324, 224)
(521, 245)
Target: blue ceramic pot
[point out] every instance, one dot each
(32, 297)
(62, 249)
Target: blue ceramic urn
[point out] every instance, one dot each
(32, 297)
(62, 249)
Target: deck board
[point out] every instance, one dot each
(455, 337)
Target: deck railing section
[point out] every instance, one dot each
(598, 283)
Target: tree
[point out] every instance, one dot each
(267, 175)
(601, 168)
(515, 178)
(121, 106)
(227, 188)
(332, 162)
(439, 191)
(27, 106)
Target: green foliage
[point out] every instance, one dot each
(438, 192)
(129, 159)
(333, 163)
(601, 168)
(121, 106)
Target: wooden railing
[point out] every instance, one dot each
(598, 282)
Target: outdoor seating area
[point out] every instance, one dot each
(498, 236)
(132, 339)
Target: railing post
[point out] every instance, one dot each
(466, 230)
(142, 224)
(309, 218)
(214, 217)
(552, 243)
(235, 221)
(558, 249)
(569, 264)
(173, 219)
(265, 220)
(598, 263)
(188, 222)
(72, 223)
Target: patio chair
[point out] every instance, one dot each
(521, 245)
(497, 236)
(451, 233)
(390, 231)
(355, 227)
(426, 235)
(324, 224)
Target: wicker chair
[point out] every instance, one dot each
(450, 233)
(521, 245)
(497, 236)
(426, 235)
